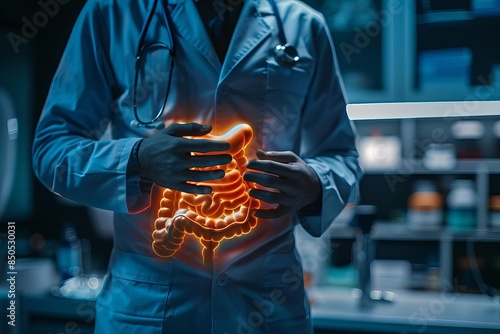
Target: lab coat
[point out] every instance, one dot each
(254, 282)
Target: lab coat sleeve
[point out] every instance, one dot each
(328, 136)
(68, 157)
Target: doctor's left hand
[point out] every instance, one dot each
(166, 157)
(292, 184)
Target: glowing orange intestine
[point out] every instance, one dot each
(225, 213)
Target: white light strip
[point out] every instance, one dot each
(400, 110)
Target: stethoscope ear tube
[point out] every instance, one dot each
(283, 52)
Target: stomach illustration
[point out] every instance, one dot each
(225, 213)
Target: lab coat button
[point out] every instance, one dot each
(222, 280)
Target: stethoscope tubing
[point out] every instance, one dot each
(281, 29)
(284, 53)
(140, 50)
(147, 23)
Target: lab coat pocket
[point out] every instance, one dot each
(134, 297)
(290, 80)
(285, 302)
(285, 95)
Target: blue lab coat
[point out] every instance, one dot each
(254, 283)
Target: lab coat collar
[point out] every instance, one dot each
(188, 24)
(250, 30)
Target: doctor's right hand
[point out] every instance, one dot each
(166, 157)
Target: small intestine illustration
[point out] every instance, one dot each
(225, 213)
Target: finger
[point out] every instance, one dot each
(272, 167)
(200, 176)
(277, 212)
(265, 180)
(203, 161)
(271, 181)
(193, 189)
(206, 145)
(279, 156)
(188, 129)
(186, 187)
(266, 196)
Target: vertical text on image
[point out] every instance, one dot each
(11, 273)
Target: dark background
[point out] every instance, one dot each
(26, 75)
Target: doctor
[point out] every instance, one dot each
(156, 73)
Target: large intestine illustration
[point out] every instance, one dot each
(225, 213)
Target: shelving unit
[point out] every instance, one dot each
(406, 32)
(380, 56)
(480, 170)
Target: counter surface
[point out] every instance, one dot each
(335, 309)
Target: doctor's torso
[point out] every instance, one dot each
(250, 87)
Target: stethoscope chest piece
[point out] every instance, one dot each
(286, 54)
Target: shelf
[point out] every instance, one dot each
(422, 110)
(457, 16)
(409, 167)
(445, 17)
(386, 231)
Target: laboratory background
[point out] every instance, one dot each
(418, 253)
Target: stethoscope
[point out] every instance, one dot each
(283, 52)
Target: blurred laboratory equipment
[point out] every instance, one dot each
(380, 152)
(462, 204)
(440, 156)
(8, 147)
(467, 136)
(69, 253)
(496, 131)
(495, 211)
(364, 250)
(35, 276)
(425, 206)
(364, 253)
(316, 252)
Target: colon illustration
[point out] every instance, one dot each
(225, 213)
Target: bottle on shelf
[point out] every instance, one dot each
(496, 131)
(495, 211)
(69, 254)
(467, 136)
(425, 207)
(462, 205)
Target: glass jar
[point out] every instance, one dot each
(467, 136)
(495, 211)
(425, 206)
(462, 204)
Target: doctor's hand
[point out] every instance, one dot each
(293, 184)
(166, 158)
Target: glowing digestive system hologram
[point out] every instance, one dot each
(225, 213)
